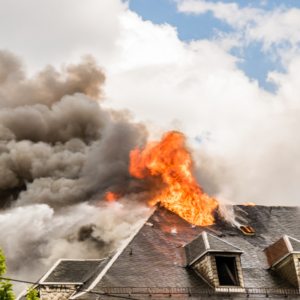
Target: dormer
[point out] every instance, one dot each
(215, 260)
(283, 256)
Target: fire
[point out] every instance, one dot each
(250, 204)
(170, 159)
(111, 196)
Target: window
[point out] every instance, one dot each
(227, 271)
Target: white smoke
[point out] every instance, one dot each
(34, 237)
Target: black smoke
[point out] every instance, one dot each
(60, 152)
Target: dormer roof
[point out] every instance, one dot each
(72, 271)
(205, 243)
(295, 244)
(281, 249)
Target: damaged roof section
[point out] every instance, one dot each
(204, 243)
(150, 261)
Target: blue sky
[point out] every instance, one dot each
(256, 64)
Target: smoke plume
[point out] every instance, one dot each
(60, 152)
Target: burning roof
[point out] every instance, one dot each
(171, 160)
(149, 263)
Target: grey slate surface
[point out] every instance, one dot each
(194, 249)
(74, 271)
(93, 276)
(295, 244)
(219, 244)
(155, 261)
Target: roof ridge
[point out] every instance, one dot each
(92, 270)
(49, 271)
(290, 237)
(224, 241)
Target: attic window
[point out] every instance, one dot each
(227, 271)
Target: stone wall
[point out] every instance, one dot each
(296, 257)
(206, 267)
(56, 292)
(289, 269)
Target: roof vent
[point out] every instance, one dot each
(247, 230)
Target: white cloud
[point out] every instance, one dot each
(229, 12)
(52, 32)
(143, 43)
(270, 27)
(199, 84)
(196, 87)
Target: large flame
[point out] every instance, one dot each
(171, 160)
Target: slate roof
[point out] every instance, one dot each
(195, 249)
(295, 244)
(217, 244)
(74, 271)
(154, 257)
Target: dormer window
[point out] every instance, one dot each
(215, 260)
(227, 271)
(283, 257)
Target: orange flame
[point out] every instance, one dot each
(250, 204)
(111, 196)
(171, 160)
